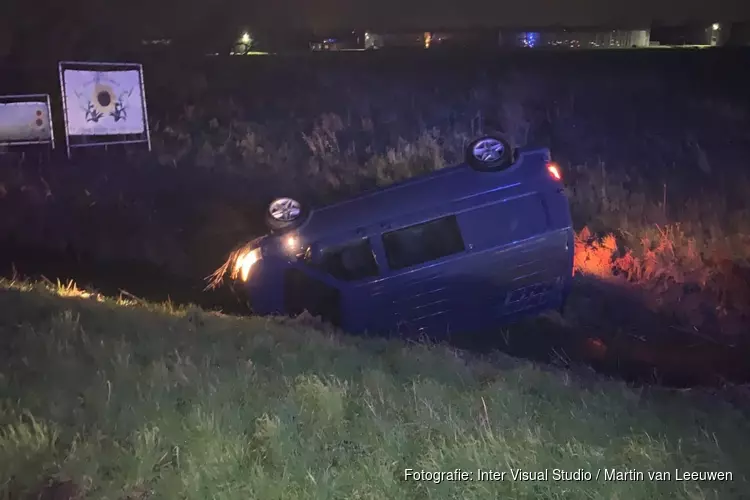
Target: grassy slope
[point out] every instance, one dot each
(125, 398)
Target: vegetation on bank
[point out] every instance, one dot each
(654, 158)
(117, 399)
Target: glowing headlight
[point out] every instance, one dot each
(291, 242)
(244, 262)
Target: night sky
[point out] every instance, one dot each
(432, 14)
(55, 19)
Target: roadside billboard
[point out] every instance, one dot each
(103, 104)
(26, 120)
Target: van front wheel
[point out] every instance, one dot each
(284, 213)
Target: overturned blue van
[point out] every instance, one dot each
(463, 249)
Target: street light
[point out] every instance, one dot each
(716, 26)
(245, 38)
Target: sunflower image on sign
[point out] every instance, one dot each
(99, 99)
(104, 98)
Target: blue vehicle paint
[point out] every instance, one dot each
(458, 250)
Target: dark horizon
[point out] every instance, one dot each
(288, 17)
(451, 14)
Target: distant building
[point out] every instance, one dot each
(397, 40)
(156, 42)
(467, 38)
(714, 34)
(575, 38)
(328, 44)
(373, 41)
(342, 41)
(702, 35)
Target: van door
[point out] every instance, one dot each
(331, 282)
(421, 288)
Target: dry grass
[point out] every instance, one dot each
(676, 278)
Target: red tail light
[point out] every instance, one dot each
(554, 171)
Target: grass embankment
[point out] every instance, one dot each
(118, 400)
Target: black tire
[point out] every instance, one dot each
(276, 224)
(502, 159)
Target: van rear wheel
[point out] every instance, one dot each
(489, 154)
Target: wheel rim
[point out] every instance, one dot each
(285, 209)
(488, 150)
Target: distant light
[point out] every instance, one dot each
(246, 38)
(530, 39)
(716, 26)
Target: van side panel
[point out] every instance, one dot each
(477, 290)
(516, 261)
(504, 222)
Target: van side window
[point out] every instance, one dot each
(423, 242)
(349, 262)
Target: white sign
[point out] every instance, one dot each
(103, 102)
(24, 121)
